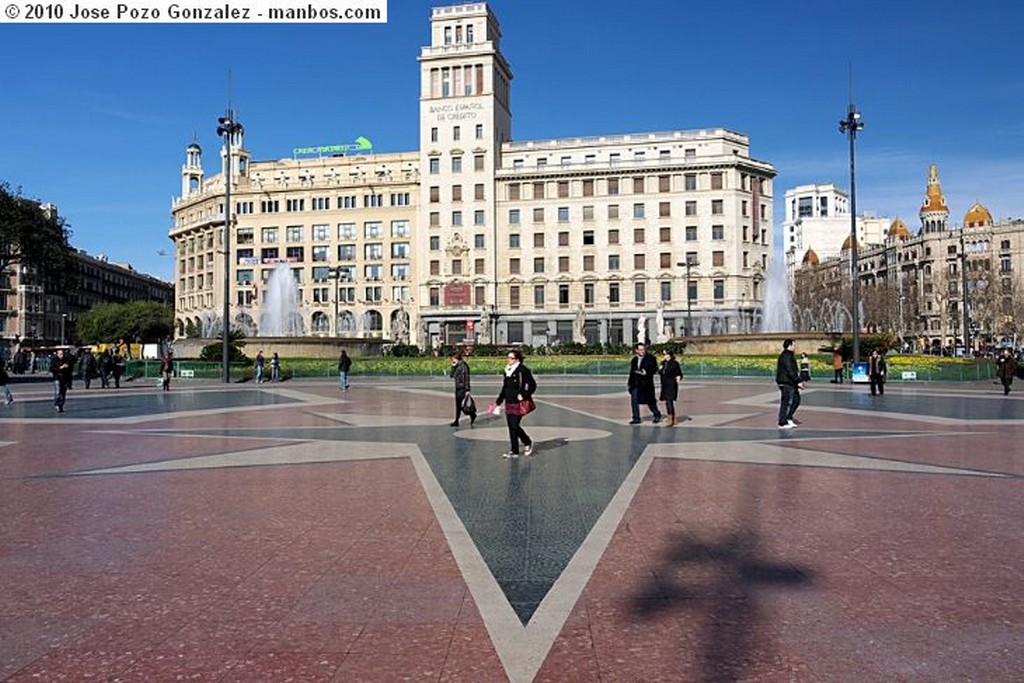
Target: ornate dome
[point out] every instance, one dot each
(898, 230)
(977, 216)
(848, 244)
(811, 259)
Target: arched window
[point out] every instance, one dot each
(346, 322)
(245, 323)
(374, 321)
(321, 323)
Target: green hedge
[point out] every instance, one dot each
(928, 368)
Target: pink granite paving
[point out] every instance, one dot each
(340, 571)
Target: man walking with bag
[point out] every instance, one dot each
(463, 399)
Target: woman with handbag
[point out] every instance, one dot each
(517, 389)
(671, 372)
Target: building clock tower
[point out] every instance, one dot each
(464, 118)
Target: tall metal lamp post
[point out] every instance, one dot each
(849, 127)
(227, 128)
(690, 262)
(963, 283)
(335, 273)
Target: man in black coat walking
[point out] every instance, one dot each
(460, 374)
(62, 371)
(878, 372)
(787, 376)
(642, 370)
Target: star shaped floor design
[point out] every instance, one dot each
(528, 533)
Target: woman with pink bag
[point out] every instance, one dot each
(517, 389)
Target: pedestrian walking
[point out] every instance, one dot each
(105, 365)
(464, 402)
(787, 376)
(62, 371)
(642, 369)
(877, 373)
(671, 372)
(837, 366)
(275, 367)
(805, 368)
(344, 367)
(5, 381)
(261, 365)
(117, 366)
(517, 389)
(88, 367)
(1006, 370)
(166, 370)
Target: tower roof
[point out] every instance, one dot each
(811, 259)
(934, 201)
(898, 230)
(848, 244)
(977, 216)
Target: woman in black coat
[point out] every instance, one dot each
(670, 372)
(517, 386)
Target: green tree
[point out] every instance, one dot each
(215, 352)
(146, 320)
(33, 236)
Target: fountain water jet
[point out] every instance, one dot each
(281, 313)
(777, 315)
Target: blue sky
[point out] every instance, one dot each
(95, 118)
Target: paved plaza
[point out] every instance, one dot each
(289, 532)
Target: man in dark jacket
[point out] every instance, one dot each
(642, 370)
(877, 373)
(460, 375)
(344, 367)
(88, 367)
(1006, 370)
(62, 371)
(787, 376)
(105, 367)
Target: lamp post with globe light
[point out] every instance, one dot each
(227, 127)
(849, 126)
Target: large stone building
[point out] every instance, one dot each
(479, 237)
(817, 218)
(919, 286)
(33, 313)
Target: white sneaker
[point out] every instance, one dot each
(529, 450)
(786, 426)
(509, 455)
(791, 423)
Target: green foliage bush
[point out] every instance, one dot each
(405, 351)
(215, 351)
(146, 320)
(884, 342)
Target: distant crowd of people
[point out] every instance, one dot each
(108, 366)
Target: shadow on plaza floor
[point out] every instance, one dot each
(716, 583)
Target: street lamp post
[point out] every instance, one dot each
(849, 126)
(963, 284)
(227, 128)
(335, 273)
(690, 262)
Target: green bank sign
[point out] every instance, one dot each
(360, 145)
